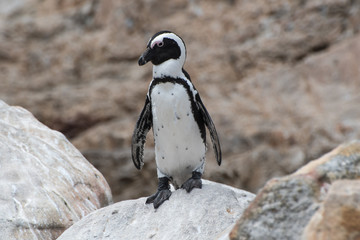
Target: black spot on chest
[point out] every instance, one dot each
(194, 108)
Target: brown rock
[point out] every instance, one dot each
(339, 215)
(296, 205)
(292, 115)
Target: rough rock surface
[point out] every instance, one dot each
(313, 203)
(203, 214)
(280, 79)
(339, 215)
(45, 183)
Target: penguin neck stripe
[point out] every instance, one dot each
(184, 82)
(180, 81)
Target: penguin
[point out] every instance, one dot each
(175, 112)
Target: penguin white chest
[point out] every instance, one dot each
(179, 147)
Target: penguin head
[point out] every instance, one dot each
(164, 47)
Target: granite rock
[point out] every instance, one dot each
(46, 184)
(338, 217)
(202, 214)
(305, 203)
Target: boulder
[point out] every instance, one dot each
(316, 202)
(201, 214)
(46, 184)
(338, 217)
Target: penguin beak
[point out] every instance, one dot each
(145, 57)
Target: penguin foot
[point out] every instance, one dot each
(193, 182)
(162, 194)
(159, 197)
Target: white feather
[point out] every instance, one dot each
(179, 147)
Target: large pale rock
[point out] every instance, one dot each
(203, 214)
(45, 183)
(302, 205)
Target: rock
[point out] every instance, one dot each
(122, 175)
(338, 217)
(293, 206)
(46, 184)
(203, 214)
(265, 72)
(291, 115)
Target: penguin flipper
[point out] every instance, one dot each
(142, 127)
(210, 125)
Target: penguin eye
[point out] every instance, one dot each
(160, 44)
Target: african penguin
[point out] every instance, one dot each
(174, 110)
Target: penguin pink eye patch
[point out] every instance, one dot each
(157, 43)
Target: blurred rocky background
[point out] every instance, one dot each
(280, 78)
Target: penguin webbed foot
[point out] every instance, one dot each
(159, 198)
(193, 182)
(162, 194)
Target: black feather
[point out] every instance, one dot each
(142, 127)
(210, 125)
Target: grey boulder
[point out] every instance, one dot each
(205, 213)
